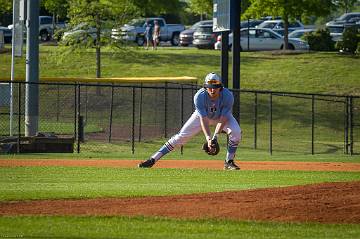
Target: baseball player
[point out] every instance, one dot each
(213, 106)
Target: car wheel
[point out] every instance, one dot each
(44, 35)
(175, 39)
(290, 47)
(140, 40)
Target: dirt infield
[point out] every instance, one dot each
(324, 203)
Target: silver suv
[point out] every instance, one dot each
(204, 37)
(347, 18)
(337, 26)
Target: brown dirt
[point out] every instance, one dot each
(324, 203)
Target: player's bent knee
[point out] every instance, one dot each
(179, 140)
(235, 136)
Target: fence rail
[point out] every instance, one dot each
(115, 113)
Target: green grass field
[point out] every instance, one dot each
(312, 73)
(31, 183)
(327, 72)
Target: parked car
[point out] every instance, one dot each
(261, 39)
(204, 37)
(82, 32)
(186, 36)
(298, 34)
(79, 33)
(337, 26)
(250, 23)
(134, 31)
(347, 18)
(336, 31)
(46, 27)
(7, 34)
(278, 26)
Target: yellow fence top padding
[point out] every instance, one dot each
(155, 79)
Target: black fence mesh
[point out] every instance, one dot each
(272, 121)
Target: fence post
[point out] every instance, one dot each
(78, 116)
(255, 120)
(58, 104)
(19, 119)
(140, 110)
(81, 132)
(111, 111)
(133, 122)
(75, 110)
(312, 123)
(192, 97)
(182, 112)
(86, 103)
(346, 125)
(165, 114)
(351, 126)
(270, 128)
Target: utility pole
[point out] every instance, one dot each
(236, 58)
(225, 58)
(32, 69)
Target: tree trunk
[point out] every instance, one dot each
(53, 26)
(286, 33)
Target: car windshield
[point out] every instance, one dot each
(198, 24)
(296, 34)
(251, 23)
(294, 24)
(136, 22)
(81, 26)
(267, 25)
(344, 17)
(204, 29)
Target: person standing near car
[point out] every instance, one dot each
(156, 34)
(148, 34)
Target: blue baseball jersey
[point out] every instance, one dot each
(213, 109)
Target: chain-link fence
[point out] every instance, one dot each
(117, 113)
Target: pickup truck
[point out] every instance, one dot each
(134, 31)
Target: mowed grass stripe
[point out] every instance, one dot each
(148, 227)
(25, 183)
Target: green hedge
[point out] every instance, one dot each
(320, 40)
(350, 40)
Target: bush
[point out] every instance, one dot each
(350, 40)
(358, 48)
(320, 40)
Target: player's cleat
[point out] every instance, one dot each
(230, 165)
(147, 164)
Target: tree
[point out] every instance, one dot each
(157, 7)
(6, 8)
(201, 7)
(59, 8)
(345, 5)
(100, 14)
(289, 10)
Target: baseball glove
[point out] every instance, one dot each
(213, 150)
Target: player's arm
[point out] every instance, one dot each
(204, 120)
(220, 126)
(225, 112)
